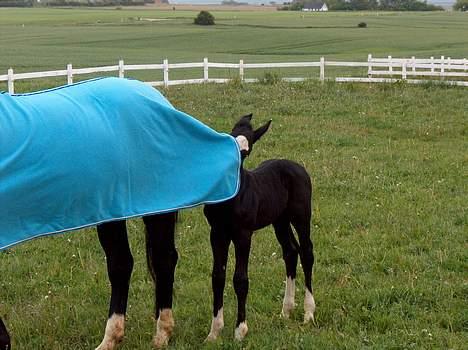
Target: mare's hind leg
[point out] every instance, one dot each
(4, 337)
(306, 252)
(290, 248)
(113, 239)
(162, 258)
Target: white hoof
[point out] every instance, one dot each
(309, 307)
(241, 331)
(287, 310)
(288, 300)
(114, 332)
(164, 328)
(309, 316)
(217, 325)
(211, 338)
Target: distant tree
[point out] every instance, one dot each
(204, 18)
(461, 5)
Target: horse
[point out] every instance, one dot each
(96, 153)
(278, 193)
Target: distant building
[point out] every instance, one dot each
(315, 7)
(160, 2)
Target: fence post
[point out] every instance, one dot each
(369, 66)
(403, 70)
(322, 69)
(413, 62)
(241, 70)
(205, 70)
(11, 83)
(442, 68)
(69, 74)
(166, 72)
(390, 67)
(121, 69)
(432, 64)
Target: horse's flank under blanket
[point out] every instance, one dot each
(100, 150)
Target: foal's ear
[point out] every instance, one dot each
(243, 122)
(261, 130)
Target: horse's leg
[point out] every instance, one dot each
(162, 257)
(290, 248)
(220, 247)
(306, 251)
(113, 239)
(4, 337)
(241, 240)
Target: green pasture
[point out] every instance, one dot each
(388, 162)
(44, 39)
(389, 168)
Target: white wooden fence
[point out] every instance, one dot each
(379, 70)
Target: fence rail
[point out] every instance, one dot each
(379, 70)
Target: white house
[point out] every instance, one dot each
(315, 7)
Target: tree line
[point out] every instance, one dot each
(368, 5)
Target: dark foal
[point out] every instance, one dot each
(161, 257)
(278, 192)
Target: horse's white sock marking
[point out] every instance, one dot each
(288, 301)
(217, 325)
(243, 142)
(241, 331)
(164, 328)
(309, 306)
(114, 332)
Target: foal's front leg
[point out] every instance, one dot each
(162, 258)
(241, 242)
(113, 239)
(220, 248)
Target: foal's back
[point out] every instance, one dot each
(277, 187)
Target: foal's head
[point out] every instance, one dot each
(246, 136)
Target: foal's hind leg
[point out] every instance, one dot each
(162, 258)
(113, 239)
(306, 252)
(290, 248)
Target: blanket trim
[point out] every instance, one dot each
(55, 88)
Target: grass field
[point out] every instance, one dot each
(389, 168)
(41, 39)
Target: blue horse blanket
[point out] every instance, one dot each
(102, 150)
